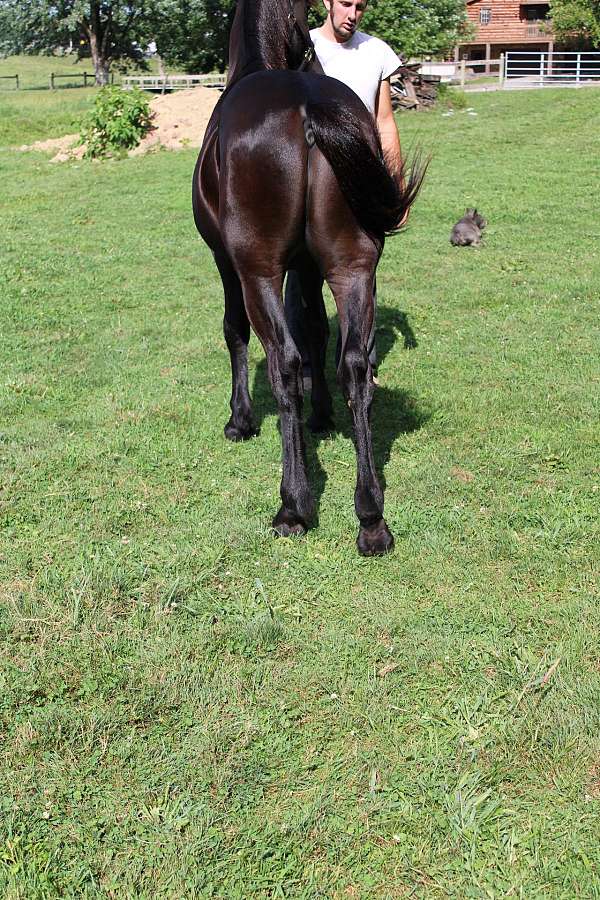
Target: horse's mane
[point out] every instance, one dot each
(259, 37)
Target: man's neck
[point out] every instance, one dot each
(326, 31)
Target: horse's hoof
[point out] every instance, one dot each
(239, 431)
(375, 540)
(320, 424)
(286, 524)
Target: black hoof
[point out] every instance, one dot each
(375, 540)
(286, 524)
(240, 431)
(320, 424)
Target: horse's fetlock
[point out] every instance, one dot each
(291, 361)
(368, 503)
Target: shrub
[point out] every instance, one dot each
(451, 97)
(117, 122)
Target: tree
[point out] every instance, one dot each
(106, 30)
(193, 34)
(412, 27)
(572, 18)
(417, 27)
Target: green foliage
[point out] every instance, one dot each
(411, 29)
(193, 34)
(106, 30)
(117, 122)
(576, 17)
(416, 28)
(451, 97)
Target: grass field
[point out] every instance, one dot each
(34, 112)
(192, 708)
(34, 71)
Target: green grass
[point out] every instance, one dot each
(192, 708)
(27, 116)
(33, 113)
(34, 71)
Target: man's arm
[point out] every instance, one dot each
(388, 130)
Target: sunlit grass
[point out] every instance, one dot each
(191, 707)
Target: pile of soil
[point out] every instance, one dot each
(178, 120)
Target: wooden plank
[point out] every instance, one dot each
(173, 82)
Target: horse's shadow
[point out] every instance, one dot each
(395, 411)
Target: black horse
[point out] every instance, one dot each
(291, 175)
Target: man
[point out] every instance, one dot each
(366, 65)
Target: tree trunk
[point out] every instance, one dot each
(101, 64)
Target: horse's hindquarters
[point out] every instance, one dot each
(263, 176)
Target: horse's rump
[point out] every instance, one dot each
(268, 122)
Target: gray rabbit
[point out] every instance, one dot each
(468, 229)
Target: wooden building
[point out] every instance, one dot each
(502, 25)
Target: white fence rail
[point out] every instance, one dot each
(550, 69)
(172, 82)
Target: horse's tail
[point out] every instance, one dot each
(379, 200)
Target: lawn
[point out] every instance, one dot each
(34, 112)
(34, 71)
(193, 708)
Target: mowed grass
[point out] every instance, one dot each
(34, 70)
(28, 116)
(193, 708)
(34, 112)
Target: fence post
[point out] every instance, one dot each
(85, 79)
(542, 61)
(17, 80)
(501, 71)
(462, 72)
(578, 71)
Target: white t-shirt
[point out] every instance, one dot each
(362, 62)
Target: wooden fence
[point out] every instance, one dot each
(14, 78)
(85, 75)
(470, 67)
(164, 83)
(161, 83)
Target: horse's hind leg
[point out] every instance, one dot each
(317, 335)
(354, 299)
(236, 329)
(263, 302)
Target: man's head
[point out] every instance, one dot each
(343, 17)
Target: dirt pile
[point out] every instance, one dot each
(178, 120)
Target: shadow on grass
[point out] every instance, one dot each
(394, 411)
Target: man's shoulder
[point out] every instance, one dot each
(362, 38)
(358, 39)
